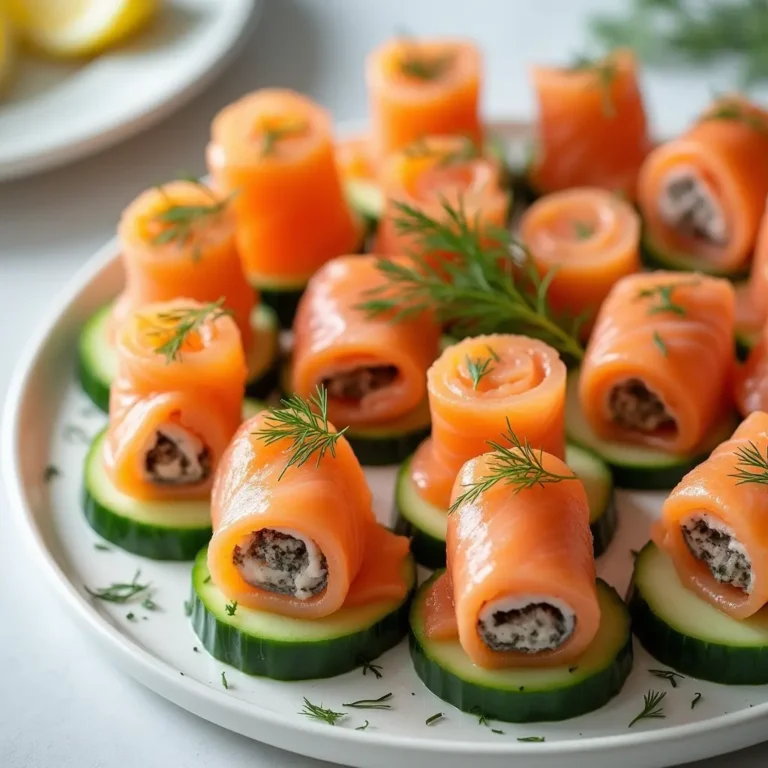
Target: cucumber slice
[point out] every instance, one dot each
(283, 648)
(685, 632)
(282, 296)
(657, 257)
(97, 358)
(426, 524)
(743, 342)
(161, 530)
(528, 694)
(634, 466)
(381, 445)
(366, 198)
(251, 407)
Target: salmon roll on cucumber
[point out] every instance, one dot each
(178, 240)
(700, 590)
(318, 586)
(273, 152)
(423, 87)
(485, 389)
(702, 195)
(641, 401)
(174, 406)
(591, 127)
(374, 370)
(519, 595)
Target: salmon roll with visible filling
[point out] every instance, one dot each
(176, 401)
(702, 195)
(713, 525)
(420, 88)
(374, 370)
(591, 129)
(642, 379)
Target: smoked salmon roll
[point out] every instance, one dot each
(713, 524)
(641, 379)
(591, 129)
(752, 295)
(521, 568)
(373, 369)
(702, 195)
(299, 539)
(418, 88)
(176, 401)
(590, 238)
(751, 379)
(479, 387)
(431, 173)
(273, 151)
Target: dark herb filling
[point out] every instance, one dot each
(634, 406)
(165, 454)
(356, 383)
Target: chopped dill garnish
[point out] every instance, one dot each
(224, 680)
(230, 608)
(604, 71)
(119, 592)
(149, 604)
(318, 712)
(696, 699)
(50, 473)
(478, 368)
(305, 424)
(519, 465)
(434, 718)
(667, 674)
(751, 465)
(663, 296)
(652, 707)
(131, 616)
(272, 136)
(374, 669)
(371, 703)
(659, 342)
(101, 547)
(532, 738)
(363, 726)
(583, 230)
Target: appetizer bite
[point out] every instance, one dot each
(702, 195)
(642, 400)
(374, 370)
(431, 175)
(516, 627)
(420, 88)
(299, 580)
(591, 128)
(700, 590)
(589, 239)
(273, 152)
(174, 405)
(479, 389)
(178, 240)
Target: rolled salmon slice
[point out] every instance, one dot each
(476, 389)
(300, 541)
(642, 379)
(591, 129)
(752, 296)
(356, 158)
(714, 525)
(519, 589)
(702, 195)
(751, 379)
(430, 173)
(419, 88)
(179, 240)
(373, 369)
(171, 417)
(590, 238)
(273, 150)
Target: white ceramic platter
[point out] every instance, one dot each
(57, 112)
(47, 421)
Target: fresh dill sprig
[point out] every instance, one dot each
(185, 320)
(434, 718)
(119, 592)
(737, 113)
(604, 71)
(179, 221)
(664, 300)
(696, 699)
(667, 674)
(231, 608)
(379, 703)
(583, 230)
(482, 718)
(652, 707)
(489, 285)
(520, 466)
(532, 738)
(318, 712)
(659, 342)
(416, 63)
(751, 465)
(272, 136)
(305, 424)
(374, 669)
(478, 368)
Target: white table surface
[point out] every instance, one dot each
(61, 704)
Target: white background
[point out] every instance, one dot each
(61, 704)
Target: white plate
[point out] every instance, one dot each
(57, 112)
(44, 399)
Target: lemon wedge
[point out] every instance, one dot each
(75, 28)
(7, 50)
